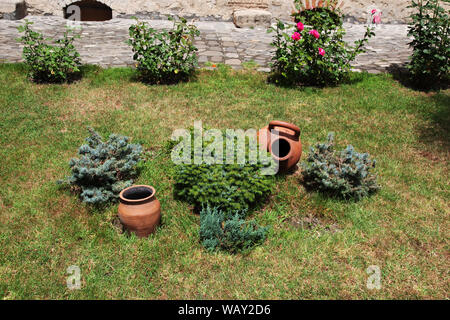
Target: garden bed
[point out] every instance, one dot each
(403, 228)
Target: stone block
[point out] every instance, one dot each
(13, 9)
(252, 18)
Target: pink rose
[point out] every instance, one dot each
(377, 18)
(374, 11)
(300, 26)
(321, 52)
(296, 36)
(315, 34)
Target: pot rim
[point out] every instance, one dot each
(286, 156)
(122, 198)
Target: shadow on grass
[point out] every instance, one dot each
(99, 76)
(400, 73)
(280, 81)
(437, 134)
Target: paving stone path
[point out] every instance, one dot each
(104, 43)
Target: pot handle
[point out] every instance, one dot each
(287, 125)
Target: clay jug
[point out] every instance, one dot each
(282, 140)
(139, 210)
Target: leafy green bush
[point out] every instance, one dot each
(164, 56)
(430, 62)
(103, 168)
(345, 174)
(229, 232)
(49, 63)
(322, 18)
(313, 56)
(226, 186)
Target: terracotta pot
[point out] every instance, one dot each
(282, 140)
(139, 210)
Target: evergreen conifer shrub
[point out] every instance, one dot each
(103, 169)
(229, 187)
(347, 173)
(229, 232)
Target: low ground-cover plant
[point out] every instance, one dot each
(346, 174)
(313, 55)
(164, 56)
(50, 63)
(229, 232)
(228, 187)
(430, 28)
(103, 169)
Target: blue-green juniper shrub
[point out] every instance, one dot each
(103, 169)
(346, 174)
(229, 231)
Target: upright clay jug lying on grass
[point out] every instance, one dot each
(139, 210)
(282, 140)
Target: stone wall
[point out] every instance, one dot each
(394, 11)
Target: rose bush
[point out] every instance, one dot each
(430, 30)
(46, 62)
(314, 56)
(164, 56)
(324, 17)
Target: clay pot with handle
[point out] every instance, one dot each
(139, 210)
(282, 140)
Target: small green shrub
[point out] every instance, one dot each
(229, 187)
(103, 169)
(229, 232)
(313, 56)
(164, 56)
(50, 63)
(345, 174)
(430, 28)
(322, 18)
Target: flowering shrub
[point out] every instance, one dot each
(164, 56)
(346, 174)
(49, 63)
(430, 28)
(323, 18)
(375, 16)
(307, 56)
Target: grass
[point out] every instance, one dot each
(317, 248)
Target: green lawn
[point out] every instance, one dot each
(317, 247)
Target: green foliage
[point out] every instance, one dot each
(229, 232)
(104, 168)
(164, 56)
(321, 60)
(430, 62)
(49, 63)
(345, 174)
(322, 18)
(226, 186)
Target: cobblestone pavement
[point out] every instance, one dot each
(104, 43)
